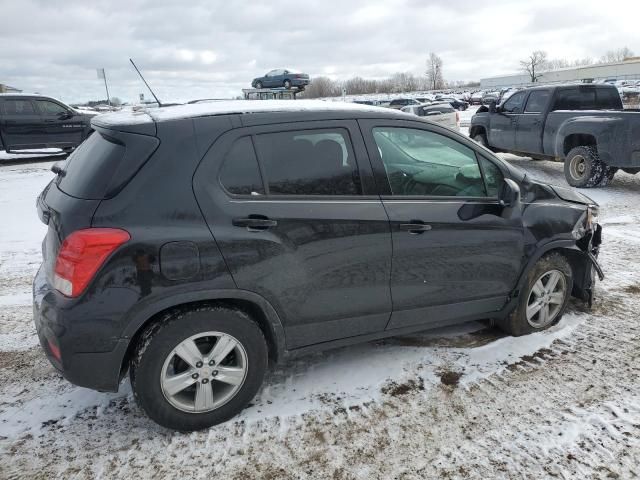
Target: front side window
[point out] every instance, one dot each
(422, 163)
(50, 108)
(240, 174)
(308, 162)
(514, 103)
(537, 101)
(19, 107)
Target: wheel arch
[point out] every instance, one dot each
(574, 140)
(477, 130)
(258, 308)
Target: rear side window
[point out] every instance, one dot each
(575, 99)
(88, 169)
(18, 107)
(608, 99)
(537, 101)
(240, 174)
(306, 162)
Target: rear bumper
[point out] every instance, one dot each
(66, 340)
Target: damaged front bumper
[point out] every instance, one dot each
(584, 282)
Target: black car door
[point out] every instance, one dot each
(530, 126)
(301, 225)
(20, 124)
(63, 127)
(502, 133)
(456, 252)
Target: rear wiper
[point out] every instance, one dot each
(58, 168)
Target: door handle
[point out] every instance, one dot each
(415, 227)
(254, 223)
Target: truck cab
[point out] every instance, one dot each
(36, 121)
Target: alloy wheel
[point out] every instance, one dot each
(546, 299)
(204, 372)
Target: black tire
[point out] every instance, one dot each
(157, 344)
(481, 138)
(258, 85)
(583, 167)
(517, 323)
(287, 84)
(609, 173)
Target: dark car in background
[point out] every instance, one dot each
(398, 103)
(286, 228)
(30, 121)
(282, 77)
(455, 103)
(585, 126)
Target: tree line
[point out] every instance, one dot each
(539, 61)
(432, 79)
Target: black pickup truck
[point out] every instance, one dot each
(35, 121)
(582, 125)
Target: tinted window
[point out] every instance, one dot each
(537, 101)
(19, 107)
(90, 167)
(418, 162)
(493, 177)
(608, 98)
(575, 99)
(240, 173)
(514, 104)
(51, 108)
(319, 162)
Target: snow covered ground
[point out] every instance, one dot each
(462, 402)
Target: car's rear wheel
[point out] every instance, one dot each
(287, 84)
(258, 85)
(197, 368)
(544, 299)
(583, 167)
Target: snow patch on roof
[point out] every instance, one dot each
(256, 106)
(123, 117)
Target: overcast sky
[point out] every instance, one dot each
(211, 49)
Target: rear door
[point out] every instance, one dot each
(456, 252)
(63, 128)
(502, 133)
(21, 125)
(295, 213)
(530, 126)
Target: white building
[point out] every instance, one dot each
(628, 69)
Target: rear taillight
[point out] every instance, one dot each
(81, 255)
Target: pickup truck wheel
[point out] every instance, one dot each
(199, 367)
(608, 176)
(583, 167)
(543, 299)
(481, 138)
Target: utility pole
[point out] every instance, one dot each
(103, 75)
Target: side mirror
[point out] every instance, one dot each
(493, 107)
(65, 115)
(509, 194)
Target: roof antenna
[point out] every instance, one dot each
(145, 82)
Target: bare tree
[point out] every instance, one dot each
(617, 55)
(322, 87)
(536, 62)
(434, 72)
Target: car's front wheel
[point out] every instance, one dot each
(197, 368)
(258, 85)
(544, 299)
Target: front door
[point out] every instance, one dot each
(63, 127)
(21, 124)
(301, 225)
(502, 133)
(456, 252)
(531, 123)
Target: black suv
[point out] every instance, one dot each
(189, 245)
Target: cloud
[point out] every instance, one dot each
(213, 48)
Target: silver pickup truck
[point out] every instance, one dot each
(583, 125)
